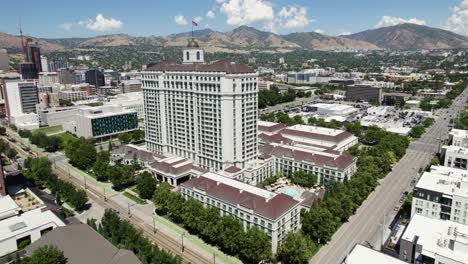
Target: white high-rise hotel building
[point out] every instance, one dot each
(204, 112)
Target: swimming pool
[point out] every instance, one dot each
(291, 192)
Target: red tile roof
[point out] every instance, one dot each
(271, 209)
(169, 168)
(232, 169)
(272, 128)
(337, 138)
(342, 161)
(226, 66)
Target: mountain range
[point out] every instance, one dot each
(244, 39)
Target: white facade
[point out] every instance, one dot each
(456, 157)
(427, 240)
(253, 206)
(48, 78)
(193, 55)
(203, 112)
(21, 98)
(459, 137)
(69, 95)
(30, 224)
(102, 121)
(129, 101)
(442, 193)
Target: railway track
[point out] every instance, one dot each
(159, 238)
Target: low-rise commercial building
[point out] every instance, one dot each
(275, 214)
(131, 86)
(70, 95)
(427, 240)
(82, 244)
(103, 121)
(24, 219)
(364, 255)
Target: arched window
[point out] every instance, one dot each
(198, 55)
(187, 55)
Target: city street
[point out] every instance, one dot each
(366, 224)
(101, 195)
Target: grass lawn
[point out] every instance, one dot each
(48, 130)
(134, 198)
(66, 137)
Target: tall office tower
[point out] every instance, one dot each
(34, 54)
(4, 60)
(95, 77)
(21, 97)
(204, 112)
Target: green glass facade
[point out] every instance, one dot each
(114, 124)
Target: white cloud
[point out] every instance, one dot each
(458, 20)
(102, 23)
(210, 14)
(198, 19)
(66, 26)
(345, 33)
(207, 26)
(180, 20)
(244, 12)
(320, 31)
(294, 17)
(386, 21)
(220, 1)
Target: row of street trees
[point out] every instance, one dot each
(227, 232)
(49, 143)
(124, 235)
(5, 149)
(342, 200)
(39, 170)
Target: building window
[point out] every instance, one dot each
(187, 55)
(198, 55)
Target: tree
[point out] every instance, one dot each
(146, 185)
(296, 248)
(303, 179)
(78, 199)
(11, 153)
(101, 166)
(45, 255)
(428, 122)
(417, 131)
(125, 138)
(2, 131)
(256, 246)
(313, 224)
(81, 154)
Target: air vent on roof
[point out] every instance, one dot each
(17, 226)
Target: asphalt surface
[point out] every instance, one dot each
(366, 225)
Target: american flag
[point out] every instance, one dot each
(194, 23)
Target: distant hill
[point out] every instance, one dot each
(411, 36)
(316, 41)
(244, 38)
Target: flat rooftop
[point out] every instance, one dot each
(439, 237)
(364, 255)
(448, 181)
(456, 149)
(32, 219)
(317, 130)
(459, 133)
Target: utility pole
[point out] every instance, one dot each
(383, 233)
(154, 225)
(182, 236)
(129, 212)
(84, 179)
(214, 258)
(104, 190)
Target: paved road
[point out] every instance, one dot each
(140, 215)
(366, 224)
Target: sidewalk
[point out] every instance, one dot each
(146, 213)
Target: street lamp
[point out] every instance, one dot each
(154, 225)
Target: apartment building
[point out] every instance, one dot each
(459, 138)
(21, 98)
(203, 112)
(442, 193)
(275, 214)
(456, 157)
(71, 95)
(437, 241)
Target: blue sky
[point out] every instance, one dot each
(155, 17)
